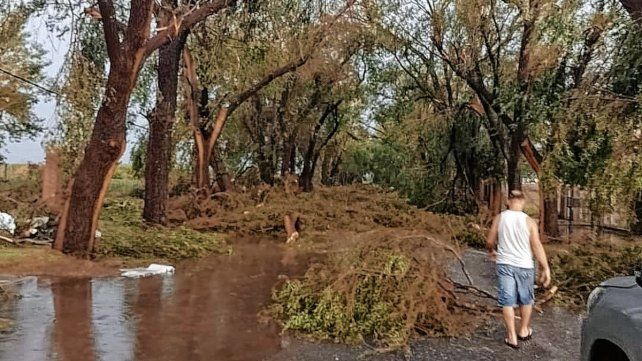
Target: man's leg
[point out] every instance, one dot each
(526, 311)
(525, 298)
(509, 320)
(507, 298)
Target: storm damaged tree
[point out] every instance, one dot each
(207, 132)
(128, 46)
(207, 116)
(159, 144)
(506, 55)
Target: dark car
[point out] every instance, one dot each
(612, 329)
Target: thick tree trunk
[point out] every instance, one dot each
(496, 198)
(159, 146)
(80, 217)
(305, 179)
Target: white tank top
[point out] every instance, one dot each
(514, 244)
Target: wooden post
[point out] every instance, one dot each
(51, 181)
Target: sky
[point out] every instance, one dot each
(32, 151)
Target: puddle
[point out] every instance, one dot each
(206, 311)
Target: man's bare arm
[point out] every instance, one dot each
(539, 253)
(491, 238)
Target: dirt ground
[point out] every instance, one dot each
(556, 336)
(43, 261)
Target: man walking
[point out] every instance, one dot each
(512, 241)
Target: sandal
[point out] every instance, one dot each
(528, 337)
(511, 345)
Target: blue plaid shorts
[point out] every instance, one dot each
(515, 285)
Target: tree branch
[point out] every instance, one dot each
(185, 23)
(140, 17)
(110, 28)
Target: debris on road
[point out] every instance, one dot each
(7, 222)
(151, 270)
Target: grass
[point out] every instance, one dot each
(124, 235)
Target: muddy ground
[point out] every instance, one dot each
(556, 335)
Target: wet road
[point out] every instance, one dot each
(208, 311)
(556, 335)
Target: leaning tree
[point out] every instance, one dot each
(129, 43)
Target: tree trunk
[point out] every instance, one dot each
(326, 164)
(107, 143)
(513, 176)
(288, 161)
(548, 212)
(221, 175)
(496, 198)
(551, 214)
(159, 146)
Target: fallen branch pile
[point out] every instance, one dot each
(582, 268)
(381, 291)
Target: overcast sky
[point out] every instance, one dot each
(31, 151)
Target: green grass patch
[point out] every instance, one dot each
(124, 235)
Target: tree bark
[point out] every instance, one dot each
(159, 146)
(128, 46)
(513, 176)
(548, 211)
(107, 143)
(550, 214)
(223, 179)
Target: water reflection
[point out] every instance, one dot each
(207, 311)
(73, 315)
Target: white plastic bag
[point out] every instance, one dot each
(7, 222)
(151, 270)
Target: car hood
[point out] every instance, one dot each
(621, 282)
(625, 297)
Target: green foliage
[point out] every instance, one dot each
(82, 90)
(578, 271)
(22, 57)
(471, 237)
(123, 235)
(380, 291)
(138, 155)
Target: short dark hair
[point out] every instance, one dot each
(516, 194)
